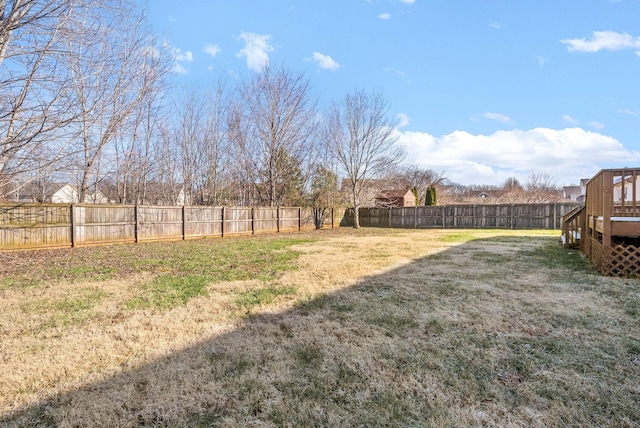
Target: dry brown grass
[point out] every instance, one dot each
(374, 328)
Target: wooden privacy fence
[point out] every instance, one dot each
(62, 225)
(502, 216)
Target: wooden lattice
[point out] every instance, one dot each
(620, 260)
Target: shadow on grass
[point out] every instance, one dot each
(503, 331)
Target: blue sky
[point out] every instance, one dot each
(482, 90)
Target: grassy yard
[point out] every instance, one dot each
(339, 327)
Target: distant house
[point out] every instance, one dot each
(371, 189)
(96, 198)
(393, 198)
(66, 194)
(576, 193)
(489, 194)
(183, 198)
(625, 192)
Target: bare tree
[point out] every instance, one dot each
(35, 105)
(133, 146)
(419, 180)
(277, 122)
(216, 149)
(323, 195)
(191, 118)
(114, 69)
(240, 173)
(21, 17)
(541, 186)
(364, 141)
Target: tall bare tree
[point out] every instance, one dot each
(278, 124)
(216, 149)
(34, 101)
(189, 137)
(115, 69)
(364, 142)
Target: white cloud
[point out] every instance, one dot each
(256, 50)
(596, 125)
(542, 61)
(492, 116)
(570, 120)
(384, 16)
(398, 73)
(604, 40)
(496, 25)
(212, 50)
(180, 56)
(567, 154)
(403, 120)
(324, 61)
(630, 112)
(407, 1)
(179, 69)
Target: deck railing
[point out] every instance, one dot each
(612, 193)
(573, 223)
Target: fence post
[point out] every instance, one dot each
(253, 222)
(511, 216)
(278, 219)
(136, 223)
(184, 223)
(455, 216)
(222, 223)
(444, 217)
(73, 227)
(474, 217)
(332, 215)
(299, 219)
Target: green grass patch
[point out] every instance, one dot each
(71, 310)
(219, 259)
(80, 273)
(459, 237)
(168, 291)
(18, 282)
(262, 296)
(185, 271)
(551, 255)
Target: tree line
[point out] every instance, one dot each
(84, 99)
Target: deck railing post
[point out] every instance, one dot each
(607, 195)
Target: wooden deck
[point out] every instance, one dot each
(607, 228)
